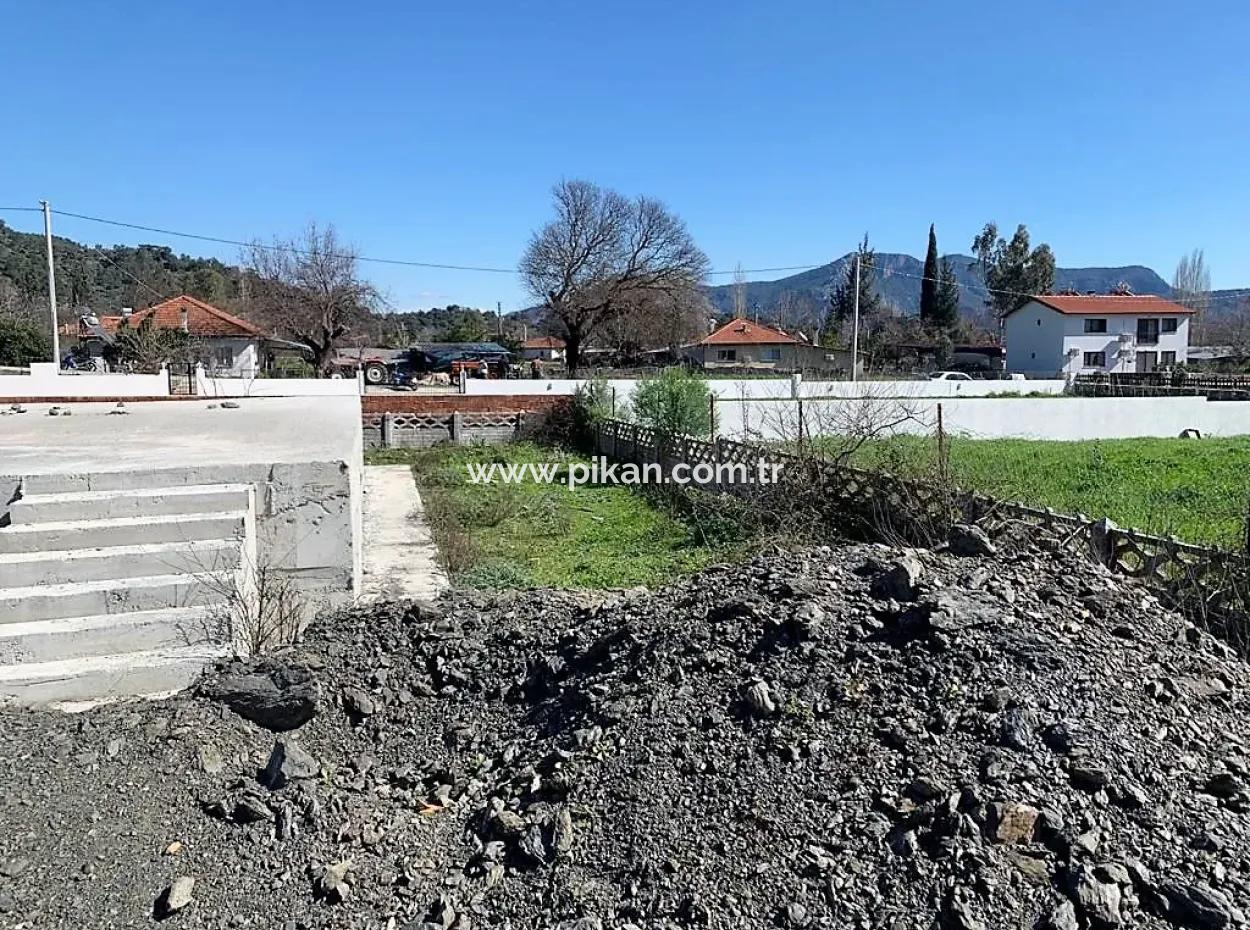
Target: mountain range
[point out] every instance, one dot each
(898, 278)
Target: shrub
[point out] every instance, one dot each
(22, 343)
(675, 402)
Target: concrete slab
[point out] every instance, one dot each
(400, 559)
(158, 434)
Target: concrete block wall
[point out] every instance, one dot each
(421, 422)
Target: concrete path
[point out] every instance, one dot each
(400, 560)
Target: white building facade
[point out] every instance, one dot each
(1061, 335)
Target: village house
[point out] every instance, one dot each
(543, 349)
(226, 345)
(1063, 335)
(743, 344)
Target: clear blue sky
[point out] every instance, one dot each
(1117, 131)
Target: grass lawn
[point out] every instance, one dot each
(1196, 489)
(537, 535)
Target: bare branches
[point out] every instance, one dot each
(309, 289)
(605, 255)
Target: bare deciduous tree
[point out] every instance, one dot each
(1191, 287)
(309, 289)
(604, 253)
(740, 292)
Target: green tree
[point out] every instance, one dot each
(675, 402)
(842, 300)
(929, 283)
(1012, 270)
(22, 342)
(946, 307)
(147, 347)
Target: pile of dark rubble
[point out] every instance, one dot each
(846, 737)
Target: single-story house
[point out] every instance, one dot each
(1063, 335)
(227, 345)
(744, 344)
(543, 349)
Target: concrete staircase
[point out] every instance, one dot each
(118, 585)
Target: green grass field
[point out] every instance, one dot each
(1195, 489)
(536, 535)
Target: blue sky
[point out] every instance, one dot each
(1116, 131)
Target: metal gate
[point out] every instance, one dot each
(182, 379)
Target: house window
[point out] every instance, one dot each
(726, 355)
(1148, 331)
(771, 354)
(1095, 326)
(1167, 358)
(223, 357)
(1169, 326)
(1095, 359)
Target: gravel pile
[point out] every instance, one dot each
(854, 738)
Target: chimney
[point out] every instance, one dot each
(126, 311)
(182, 320)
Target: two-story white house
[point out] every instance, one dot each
(1064, 335)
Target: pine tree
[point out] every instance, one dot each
(929, 283)
(946, 302)
(842, 300)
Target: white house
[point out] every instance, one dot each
(543, 348)
(1063, 335)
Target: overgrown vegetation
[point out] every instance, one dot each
(676, 402)
(1193, 489)
(21, 342)
(534, 534)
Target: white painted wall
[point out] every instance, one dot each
(207, 386)
(44, 380)
(1066, 418)
(1042, 342)
(729, 388)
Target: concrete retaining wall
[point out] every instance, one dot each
(777, 387)
(45, 381)
(278, 387)
(1068, 418)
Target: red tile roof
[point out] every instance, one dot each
(543, 342)
(1109, 304)
(745, 333)
(202, 319)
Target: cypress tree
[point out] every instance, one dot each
(946, 310)
(929, 285)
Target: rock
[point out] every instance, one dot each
(562, 832)
(210, 759)
(287, 763)
(1200, 907)
(1061, 917)
(967, 540)
(899, 579)
(358, 704)
(330, 882)
(508, 824)
(176, 897)
(1016, 728)
(1012, 823)
(1223, 785)
(251, 809)
(759, 699)
(1097, 901)
(268, 692)
(229, 405)
(1088, 778)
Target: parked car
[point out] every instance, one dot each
(950, 376)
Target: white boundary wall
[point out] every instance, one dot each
(727, 388)
(45, 380)
(1067, 418)
(206, 386)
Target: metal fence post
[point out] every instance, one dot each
(387, 429)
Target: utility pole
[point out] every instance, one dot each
(47, 235)
(855, 326)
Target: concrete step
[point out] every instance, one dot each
(136, 674)
(57, 566)
(125, 531)
(132, 479)
(139, 502)
(109, 634)
(112, 596)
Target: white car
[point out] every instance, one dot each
(950, 376)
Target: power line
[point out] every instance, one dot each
(220, 240)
